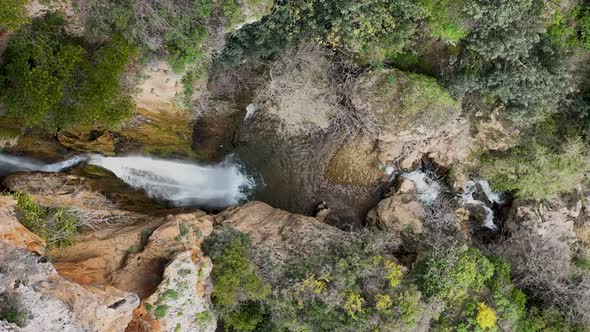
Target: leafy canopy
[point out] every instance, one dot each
(52, 82)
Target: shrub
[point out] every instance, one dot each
(57, 226)
(161, 311)
(486, 317)
(539, 172)
(53, 83)
(237, 286)
(11, 311)
(393, 274)
(13, 14)
(383, 302)
(464, 270)
(353, 304)
(446, 20)
(174, 28)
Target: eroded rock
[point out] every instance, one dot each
(13, 232)
(400, 212)
(281, 232)
(53, 303)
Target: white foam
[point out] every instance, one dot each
(467, 199)
(181, 182)
(427, 188)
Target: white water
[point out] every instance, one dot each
(427, 188)
(179, 182)
(467, 199)
(27, 164)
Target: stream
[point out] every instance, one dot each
(178, 182)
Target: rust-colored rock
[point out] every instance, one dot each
(96, 141)
(13, 232)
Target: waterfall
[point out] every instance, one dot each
(10, 164)
(179, 182)
(467, 199)
(427, 188)
(182, 183)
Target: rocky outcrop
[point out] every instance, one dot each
(400, 211)
(281, 232)
(94, 141)
(182, 300)
(416, 117)
(131, 252)
(52, 303)
(13, 232)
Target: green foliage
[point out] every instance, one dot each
(465, 270)
(53, 83)
(57, 226)
(13, 14)
(237, 285)
(539, 172)
(10, 310)
(169, 294)
(446, 20)
(174, 28)
(203, 316)
(372, 30)
(161, 311)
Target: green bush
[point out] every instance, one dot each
(446, 20)
(13, 14)
(10, 310)
(464, 270)
(172, 28)
(57, 226)
(537, 171)
(238, 289)
(52, 83)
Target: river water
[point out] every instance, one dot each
(178, 182)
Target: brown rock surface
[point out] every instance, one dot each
(88, 141)
(400, 211)
(281, 232)
(56, 304)
(13, 232)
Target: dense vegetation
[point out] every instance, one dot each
(522, 61)
(51, 81)
(358, 285)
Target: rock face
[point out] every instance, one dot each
(416, 117)
(182, 296)
(551, 222)
(281, 232)
(400, 211)
(13, 232)
(95, 141)
(144, 255)
(52, 303)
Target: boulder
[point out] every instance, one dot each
(400, 212)
(182, 296)
(52, 303)
(13, 232)
(278, 231)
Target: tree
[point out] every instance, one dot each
(51, 82)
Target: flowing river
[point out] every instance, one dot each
(178, 182)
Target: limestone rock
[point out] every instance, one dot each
(281, 232)
(53, 303)
(95, 141)
(431, 126)
(13, 232)
(400, 212)
(183, 295)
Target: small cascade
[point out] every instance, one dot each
(427, 188)
(182, 183)
(10, 164)
(179, 182)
